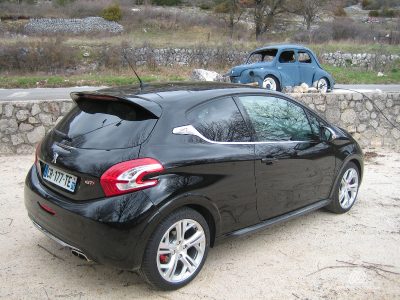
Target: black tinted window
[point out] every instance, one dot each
(315, 126)
(220, 120)
(277, 119)
(106, 125)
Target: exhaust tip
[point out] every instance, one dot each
(79, 254)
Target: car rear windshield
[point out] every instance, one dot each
(106, 125)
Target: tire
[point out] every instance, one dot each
(322, 85)
(270, 82)
(163, 249)
(346, 190)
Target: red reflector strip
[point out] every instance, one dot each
(47, 209)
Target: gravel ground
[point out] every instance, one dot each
(320, 255)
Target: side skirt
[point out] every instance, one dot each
(282, 218)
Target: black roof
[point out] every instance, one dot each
(153, 96)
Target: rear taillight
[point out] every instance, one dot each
(128, 176)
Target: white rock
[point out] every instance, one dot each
(8, 110)
(36, 135)
(46, 119)
(35, 109)
(349, 116)
(22, 115)
(25, 127)
(380, 74)
(205, 75)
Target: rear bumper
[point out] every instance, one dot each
(109, 230)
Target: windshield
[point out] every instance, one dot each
(262, 56)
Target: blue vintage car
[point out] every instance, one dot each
(279, 66)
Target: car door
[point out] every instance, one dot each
(288, 67)
(224, 161)
(306, 67)
(294, 167)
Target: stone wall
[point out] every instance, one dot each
(205, 57)
(73, 26)
(224, 56)
(369, 61)
(24, 124)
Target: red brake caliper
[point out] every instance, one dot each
(163, 258)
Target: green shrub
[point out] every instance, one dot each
(167, 2)
(63, 2)
(205, 6)
(388, 13)
(365, 3)
(112, 13)
(373, 13)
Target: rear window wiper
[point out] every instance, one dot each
(63, 135)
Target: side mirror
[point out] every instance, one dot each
(327, 134)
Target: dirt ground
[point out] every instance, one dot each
(321, 255)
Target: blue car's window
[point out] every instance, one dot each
(287, 57)
(275, 119)
(263, 56)
(220, 120)
(304, 57)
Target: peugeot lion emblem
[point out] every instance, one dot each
(55, 156)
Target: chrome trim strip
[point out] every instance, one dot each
(57, 240)
(190, 130)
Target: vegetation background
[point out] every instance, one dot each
(367, 26)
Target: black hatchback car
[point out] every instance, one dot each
(149, 178)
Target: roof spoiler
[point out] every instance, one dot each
(148, 105)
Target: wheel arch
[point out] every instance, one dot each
(323, 74)
(201, 204)
(354, 158)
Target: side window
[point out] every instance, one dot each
(287, 57)
(275, 119)
(304, 57)
(220, 121)
(255, 58)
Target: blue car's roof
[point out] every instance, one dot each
(281, 46)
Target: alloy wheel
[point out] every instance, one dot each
(348, 188)
(181, 250)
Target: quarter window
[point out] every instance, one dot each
(275, 119)
(220, 120)
(304, 58)
(315, 126)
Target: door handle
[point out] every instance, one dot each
(268, 160)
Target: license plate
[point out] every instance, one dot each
(60, 178)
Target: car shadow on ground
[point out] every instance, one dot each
(64, 266)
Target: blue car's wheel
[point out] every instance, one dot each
(271, 83)
(322, 85)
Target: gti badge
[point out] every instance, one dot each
(55, 156)
(89, 182)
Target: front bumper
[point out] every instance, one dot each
(108, 230)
